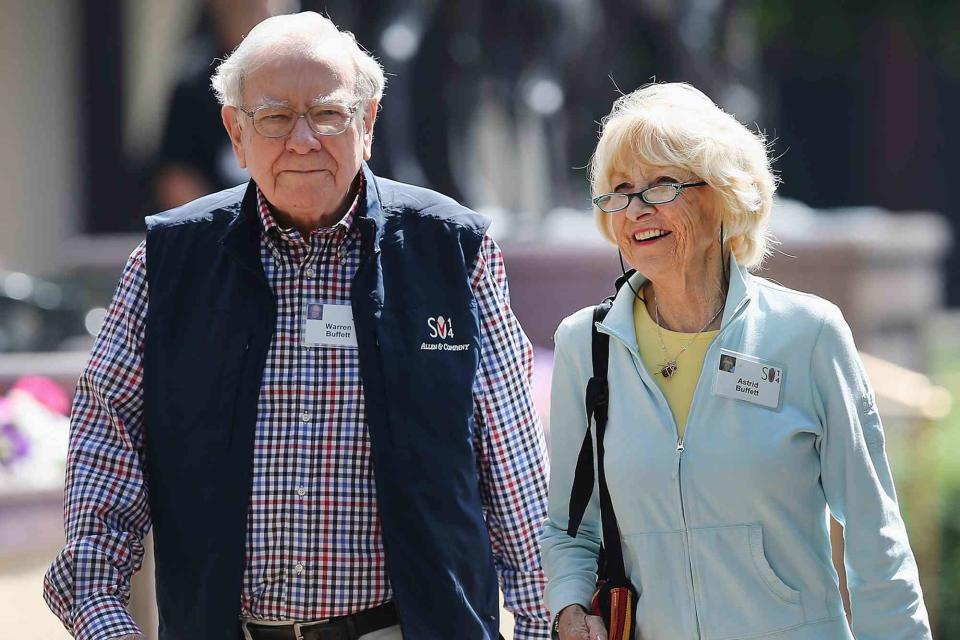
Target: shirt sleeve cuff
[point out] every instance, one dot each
(531, 629)
(103, 616)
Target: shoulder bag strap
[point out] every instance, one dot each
(596, 408)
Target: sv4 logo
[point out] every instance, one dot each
(440, 327)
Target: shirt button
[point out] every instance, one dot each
(301, 491)
(305, 416)
(311, 272)
(298, 568)
(342, 252)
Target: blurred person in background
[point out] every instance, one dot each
(195, 155)
(721, 481)
(362, 473)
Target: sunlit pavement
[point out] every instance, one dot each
(24, 613)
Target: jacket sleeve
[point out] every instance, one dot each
(570, 563)
(882, 578)
(105, 503)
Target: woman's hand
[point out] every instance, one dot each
(577, 624)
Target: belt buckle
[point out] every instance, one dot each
(297, 626)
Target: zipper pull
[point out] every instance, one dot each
(676, 466)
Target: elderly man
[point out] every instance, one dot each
(355, 473)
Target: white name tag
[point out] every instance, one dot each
(328, 325)
(743, 377)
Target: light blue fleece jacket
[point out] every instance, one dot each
(726, 537)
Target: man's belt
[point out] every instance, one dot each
(348, 627)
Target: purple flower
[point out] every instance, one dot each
(13, 444)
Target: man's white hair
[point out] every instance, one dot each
(308, 33)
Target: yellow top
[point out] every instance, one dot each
(678, 388)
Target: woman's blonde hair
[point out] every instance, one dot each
(674, 124)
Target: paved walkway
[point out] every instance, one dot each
(24, 613)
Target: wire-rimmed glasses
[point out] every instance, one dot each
(277, 121)
(657, 194)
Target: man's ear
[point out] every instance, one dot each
(231, 122)
(369, 119)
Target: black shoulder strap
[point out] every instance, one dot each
(596, 406)
(610, 565)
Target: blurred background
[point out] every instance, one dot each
(108, 116)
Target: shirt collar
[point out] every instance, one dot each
(274, 231)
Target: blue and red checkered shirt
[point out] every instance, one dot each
(314, 547)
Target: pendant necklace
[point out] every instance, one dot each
(670, 366)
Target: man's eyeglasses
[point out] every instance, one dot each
(277, 121)
(657, 194)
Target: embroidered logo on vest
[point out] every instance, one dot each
(442, 328)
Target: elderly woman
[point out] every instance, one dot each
(739, 412)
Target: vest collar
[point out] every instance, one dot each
(370, 217)
(619, 321)
(242, 236)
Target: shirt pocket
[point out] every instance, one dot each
(739, 593)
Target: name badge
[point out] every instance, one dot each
(743, 377)
(328, 325)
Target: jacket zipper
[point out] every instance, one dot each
(681, 447)
(686, 534)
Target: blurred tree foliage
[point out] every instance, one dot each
(834, 30)
(949, 623)
(864, 93)
(945, 478)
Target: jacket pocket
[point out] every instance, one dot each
(777, 586)
(195, 370)
(739, 594)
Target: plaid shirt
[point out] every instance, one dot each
(314, 547)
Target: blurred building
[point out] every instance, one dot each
(494, 102)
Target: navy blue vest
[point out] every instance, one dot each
(211, 315)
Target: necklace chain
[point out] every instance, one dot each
(670, 366)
